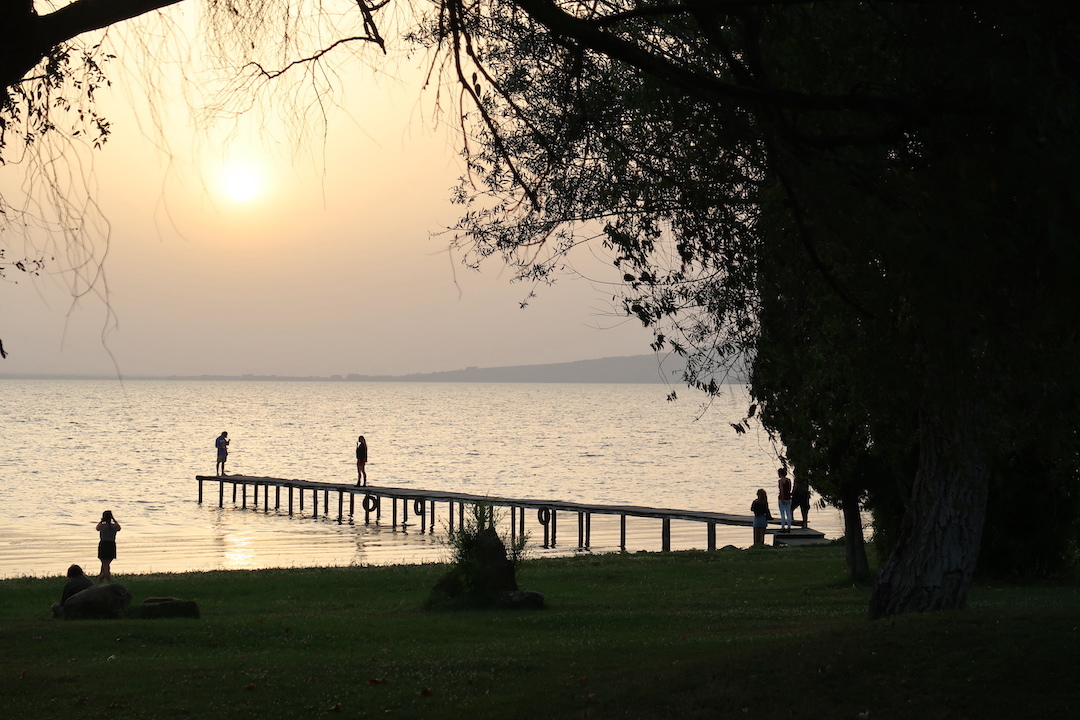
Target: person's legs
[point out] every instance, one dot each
(106, 570)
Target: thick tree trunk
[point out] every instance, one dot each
(854, 545)
(932, 565)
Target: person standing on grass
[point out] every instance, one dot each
(106, 551)
(760, 508)
(783, 499)
(222, 445)
(361, 461)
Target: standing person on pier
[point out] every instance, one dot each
(800, 498)
(106, 552)
(760, 508)
(222, 445)
(361, 461)
(783, 499)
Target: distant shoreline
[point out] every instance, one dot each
(634, 369)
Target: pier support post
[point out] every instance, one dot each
(326, 502)
(266, 498)
(404, 512)
(234, 492)
(665, 536)
(622, 532)
(431, 519)
(513, 524)
(255, 495)
(221, 494)
(712, 536)
(543, 516)
(300, 494)
(419, 506)
(450, 516)
(200, 491)
(243, 495)
(314, 503)
(580, 529)
(352, 504)
(588, 529)
(554, 525)
(277, 497)
(290, 499)
(340, 505)
(461, 515)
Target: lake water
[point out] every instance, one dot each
(72, 448)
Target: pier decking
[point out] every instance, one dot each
(423, 504)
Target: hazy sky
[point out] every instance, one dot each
(330, 268)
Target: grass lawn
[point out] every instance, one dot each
(761, 633)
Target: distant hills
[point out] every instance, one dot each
(631, 369)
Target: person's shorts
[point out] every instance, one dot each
(361, 463)
(222, 454)
(760, 521)
(106, 550)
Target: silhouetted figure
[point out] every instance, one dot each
(783, 499)
(222, 445)
(800, 498)
(106, 550)
(760, 508)
(76, 583)
(361, 461)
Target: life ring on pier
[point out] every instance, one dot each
(543, 516)
(418, 506)
(371, 503)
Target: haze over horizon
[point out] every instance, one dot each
(235, 248)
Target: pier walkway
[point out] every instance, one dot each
(423, 505)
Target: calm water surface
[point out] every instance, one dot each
(72, 448)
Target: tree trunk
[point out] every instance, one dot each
(934, 560)
(854, 545)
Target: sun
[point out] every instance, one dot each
(242, 181)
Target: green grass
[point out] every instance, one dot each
(762, 633)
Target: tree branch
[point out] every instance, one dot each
(587, 34)
(83, 16)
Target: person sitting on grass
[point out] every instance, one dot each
(77, 582)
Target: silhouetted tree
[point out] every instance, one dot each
(916, 157)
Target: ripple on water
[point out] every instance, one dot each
(77, 447)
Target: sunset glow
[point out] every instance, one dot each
(242, 181)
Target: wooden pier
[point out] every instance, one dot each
(423, 505)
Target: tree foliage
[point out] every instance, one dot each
(869, 199)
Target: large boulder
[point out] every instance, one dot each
(97, 601)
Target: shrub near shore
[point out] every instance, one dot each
(762, 633)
